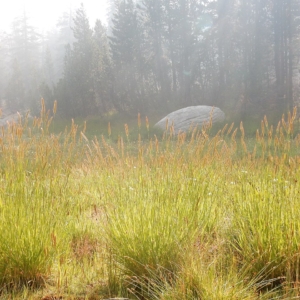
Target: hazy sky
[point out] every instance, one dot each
(44, 14)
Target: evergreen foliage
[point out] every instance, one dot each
(159, 55)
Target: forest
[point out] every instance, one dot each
(157, 55)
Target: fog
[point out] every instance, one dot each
(45, 14)
(151, 56)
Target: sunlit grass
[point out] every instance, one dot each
(207, 215)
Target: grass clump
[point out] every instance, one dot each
(267, 224)
(28, 241)
(33, 225)
(148, 232)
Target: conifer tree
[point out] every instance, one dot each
(78, 67)
(101, 69)
(15, 91)
(126, 42)
(24, 52)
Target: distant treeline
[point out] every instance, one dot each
(240, 55)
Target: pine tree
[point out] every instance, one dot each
(48, 67)
(3, 66)
(15, 91)
(153, 16)
(57, 41)
(25, 53)
(102, 68)
(78, 67)
(126, 42)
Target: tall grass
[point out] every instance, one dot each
(266, 217)
(34, 176)
(28, 234)
(188, 216)
(153, 220)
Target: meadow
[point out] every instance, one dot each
(213, 214)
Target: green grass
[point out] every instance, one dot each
(121, 212)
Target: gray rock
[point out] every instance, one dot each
(12, 118)
(186, 118)
(8, 116)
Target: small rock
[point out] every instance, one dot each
(7, 116)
